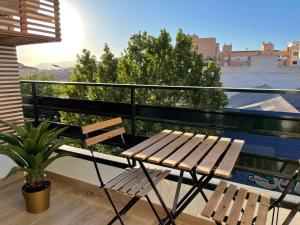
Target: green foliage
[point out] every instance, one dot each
(41, 90)
(147, 60)
(107, 73)
(32, 149)
(86, 70)
(44, 90)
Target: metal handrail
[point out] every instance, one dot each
(172, 87)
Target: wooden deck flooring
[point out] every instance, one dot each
(72, 205)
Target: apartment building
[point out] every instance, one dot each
(228, 57)
(294, 49)
(209, 48)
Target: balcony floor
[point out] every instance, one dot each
(74, 204)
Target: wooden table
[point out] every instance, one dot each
(193, 153)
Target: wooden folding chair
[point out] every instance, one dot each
(231, 205)
(132, 181)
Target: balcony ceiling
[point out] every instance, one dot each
(16, 39)
(25, 22)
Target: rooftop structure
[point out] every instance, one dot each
(227, 57)
(294, 49)
(208, 47)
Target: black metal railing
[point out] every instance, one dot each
(249, 121)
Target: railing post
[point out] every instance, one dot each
(133, 110)
(35, 104)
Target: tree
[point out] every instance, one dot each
(41, 90)
(154, 60)
(107, 73)
(148, 60)
(86, 70)
(44, 90)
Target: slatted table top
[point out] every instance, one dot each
(188, 151)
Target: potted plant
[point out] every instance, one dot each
(32, 150)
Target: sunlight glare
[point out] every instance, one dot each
(72, 40)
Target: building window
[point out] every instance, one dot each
(294, 62)
(296, 53)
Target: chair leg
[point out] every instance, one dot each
(154, 210)
(124, 210)
(273, 215)
(290, 217)
(169, 215)
(274, 220)
(278, 207)
(118, 216)
(106, 191)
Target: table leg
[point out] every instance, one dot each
(194, 177)
(194, 191)
(177, 192)
(186, 196)
(171, 219)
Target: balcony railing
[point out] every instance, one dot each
(277, 125)
(241, 120)
(29, 21)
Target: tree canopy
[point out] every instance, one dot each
(42, 90)
(147, 60)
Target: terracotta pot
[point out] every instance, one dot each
(37, 202)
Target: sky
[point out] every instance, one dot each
(90, 23)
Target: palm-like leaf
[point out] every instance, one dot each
(52, 159)
(31, 149)
(14, 170)
(19, 130)
(10, 139)
(13, 156)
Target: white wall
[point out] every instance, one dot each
(275, 77)
(5, 165)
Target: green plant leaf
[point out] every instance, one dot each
(43, 140)
(29, 145)
(13, 171)
(31, 159)
(32, 148)
(28, 126)
(54, 134)
(52, 159)
(13, 156)
(18, 150)
(21, 131)
(10, 139)
(38, 161)
(53, 148)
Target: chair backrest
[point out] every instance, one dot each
(99, 126)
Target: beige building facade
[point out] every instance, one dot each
(294, 49)
(209, 48)
(228, 57)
